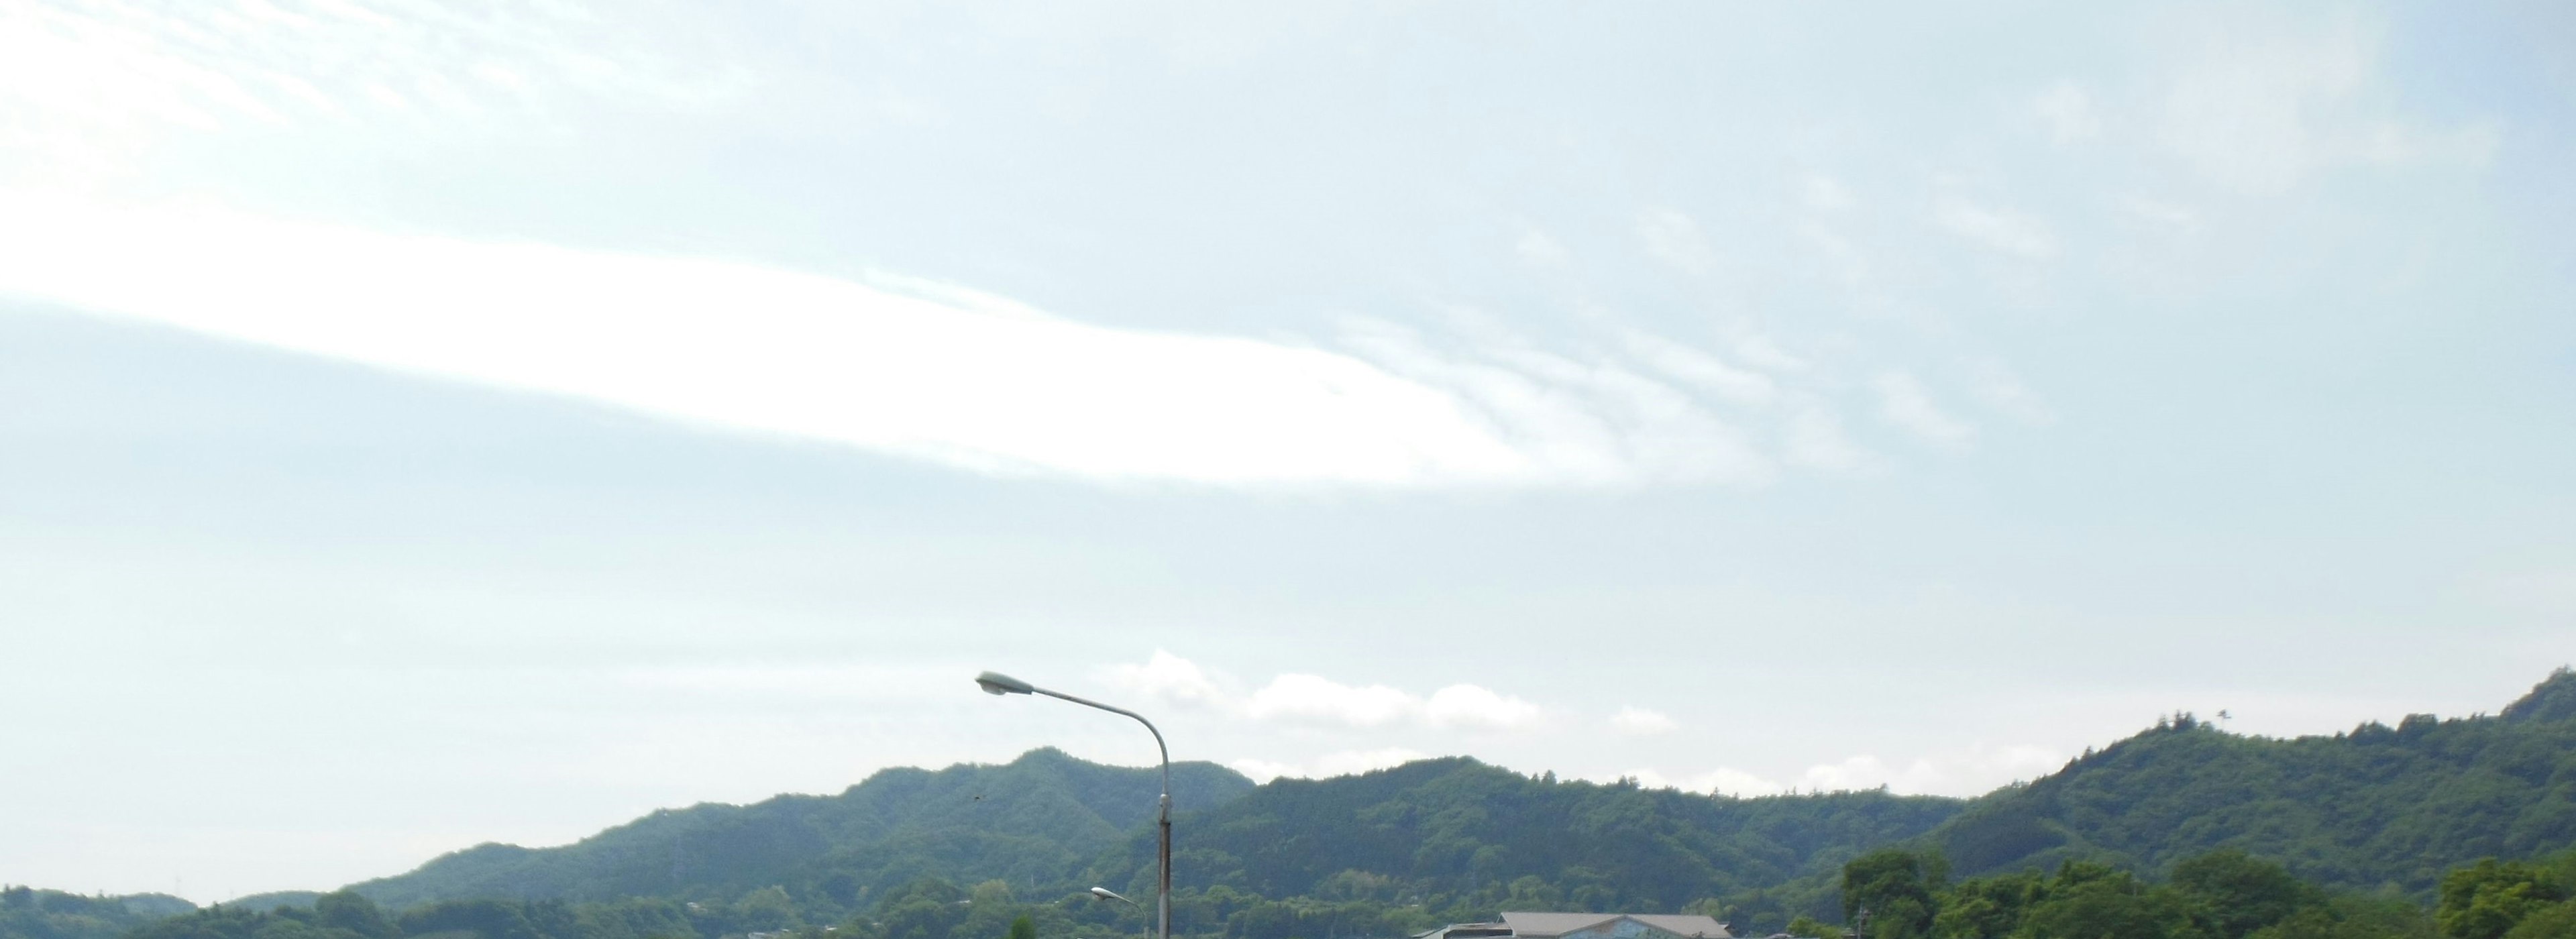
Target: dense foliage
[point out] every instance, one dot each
(1886, 894)
(2225, 894)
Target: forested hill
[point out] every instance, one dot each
(1037, 819)
(1456, 831)
(2375, 806)
(29, 913)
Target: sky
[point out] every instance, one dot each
(428, 424)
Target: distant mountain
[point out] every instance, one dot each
(1037, 819)
(2376, 806)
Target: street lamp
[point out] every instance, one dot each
(996, 683)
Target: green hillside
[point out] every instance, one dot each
(1452, 831)
(1035, 820)
(29, 913)
(2375, 806)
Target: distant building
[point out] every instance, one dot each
(1587, 926)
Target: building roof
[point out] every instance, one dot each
(1549, 925)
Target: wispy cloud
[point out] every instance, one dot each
(107, 80)
(917, 370)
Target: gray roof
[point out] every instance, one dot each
(1548, 925)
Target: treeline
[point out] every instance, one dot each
(1889, 894)
(2224, 894)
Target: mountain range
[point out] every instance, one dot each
(2377, 808)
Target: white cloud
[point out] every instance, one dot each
(1640, 722)
(1477, 708)
(1973, 772)
(2069, 113)
(2005, 231)
(1342, 763)
(1735, 782)
(1262, 771)
(1595, 421)
(1701, 369)
(1323, 700)
(1905, 403)
(1170, 678)
(918, 370)
(1314, 699)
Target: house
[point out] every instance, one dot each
(1587, 926)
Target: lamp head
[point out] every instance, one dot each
(1104, 893)
(996, 683)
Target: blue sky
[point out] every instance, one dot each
(430, 424)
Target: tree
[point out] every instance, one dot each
(767, 909)
(1022, 927)
(2238, 894)
(2556, 921)
(1890, 884)
(357, 914)
(2486, 900)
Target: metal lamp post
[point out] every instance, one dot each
(996, 683)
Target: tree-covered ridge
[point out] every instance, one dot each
(1456, 832)
(2377, 806)
(1037, 819)
(29, 913)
